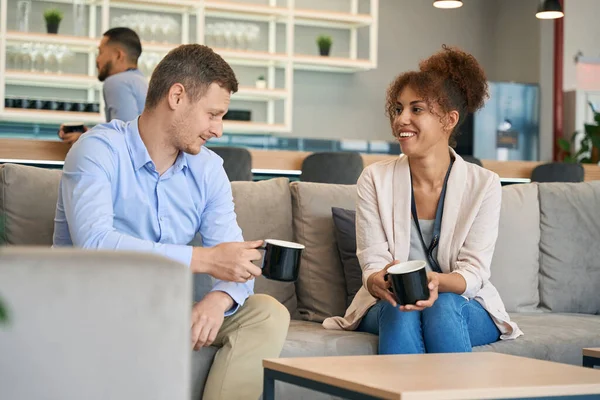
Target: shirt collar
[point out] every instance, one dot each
(137, 149)
(139, 154)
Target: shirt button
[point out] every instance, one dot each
(160, 219)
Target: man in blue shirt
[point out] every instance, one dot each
(125, 87)
(150, 185)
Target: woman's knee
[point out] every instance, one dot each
(447, 303)
(392, 315)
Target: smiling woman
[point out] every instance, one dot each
(429, 205)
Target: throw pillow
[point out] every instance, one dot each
(345, 235)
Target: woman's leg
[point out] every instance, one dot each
(455, 325)
(482, 329)
(399, 332)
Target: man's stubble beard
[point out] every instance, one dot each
(105, 72)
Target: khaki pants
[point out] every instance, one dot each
(255, 332)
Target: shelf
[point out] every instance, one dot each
(331, 64)
(253, 127)
(49, 117)
(158, 47)
(260, 12)
(156, 5)
(255, 94)
(65, 81)
(331, 19)
(73, 42)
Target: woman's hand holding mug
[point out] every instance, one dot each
(379, 287)
(433, 284)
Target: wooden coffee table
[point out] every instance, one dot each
(433, 376)
(591, 357)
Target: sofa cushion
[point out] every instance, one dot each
(515, 265)
(570, 254)
(321, 287)
(28, 204)
(551, 336)
(264, 211)
(344, 222)
(310, 339)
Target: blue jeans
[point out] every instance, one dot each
(452, 325)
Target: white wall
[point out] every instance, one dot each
(504, 35)
(582, 33)
(351, 106)
(516, 40)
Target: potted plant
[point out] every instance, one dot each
(589, 143)
(261, 83)
(324, 42)
(53, 16)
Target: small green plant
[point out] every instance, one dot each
(324, 42)
(261, 77)
(589, 143)
(53, 16)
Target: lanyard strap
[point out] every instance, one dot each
(437, 224)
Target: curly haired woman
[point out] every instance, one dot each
(396, 219)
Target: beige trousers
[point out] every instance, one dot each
(255, 332)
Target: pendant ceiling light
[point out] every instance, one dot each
(448, 3)
(549, 9)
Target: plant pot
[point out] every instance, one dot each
(324, 51)
(52, 27)
(261, 84)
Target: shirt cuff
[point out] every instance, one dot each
(473, 283)
(237, 291)
(179, 253)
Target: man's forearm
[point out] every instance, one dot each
(201, 260)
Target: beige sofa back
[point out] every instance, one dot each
(302, 212)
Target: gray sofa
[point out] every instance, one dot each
(546, 264)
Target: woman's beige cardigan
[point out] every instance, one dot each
(467, 239)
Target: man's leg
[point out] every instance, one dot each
(255, 332)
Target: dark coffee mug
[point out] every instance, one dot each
(282, 260)
(69, 127)
(409, 282)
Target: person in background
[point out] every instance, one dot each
(150, 185)
(429, 204)
(125, 87)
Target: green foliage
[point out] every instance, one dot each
(3, 313)
(587, 141)
(324, 42)
(53, 16)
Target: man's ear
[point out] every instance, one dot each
(175, 96)
(121, 55)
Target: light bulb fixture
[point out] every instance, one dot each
(448, 3)
(549, 9)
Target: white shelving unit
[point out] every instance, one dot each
(273, 15)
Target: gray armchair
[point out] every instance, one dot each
(94, 325)
(237, 162)
(558, 172)
(332, 167)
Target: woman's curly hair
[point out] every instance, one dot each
(451, 78)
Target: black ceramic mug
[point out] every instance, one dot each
(409, 282)
(282, 260)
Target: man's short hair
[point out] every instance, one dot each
(195, 67)
(128, 40)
